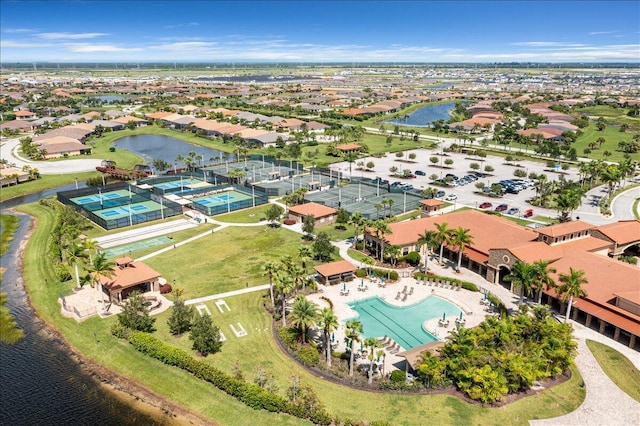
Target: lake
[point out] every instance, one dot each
(424, 116)
(167, 148)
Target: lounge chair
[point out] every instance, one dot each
(404, 290)
(404, 298)
(398, 296)
(410, 291)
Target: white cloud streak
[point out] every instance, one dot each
(70, 36)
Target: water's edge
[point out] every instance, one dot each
(132, 393)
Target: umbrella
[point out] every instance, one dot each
(444, 316)
(485, 296)
(382, 280)
(460, 315)
(344, 286)
(362, 282)
(333, 338)
(373, 274)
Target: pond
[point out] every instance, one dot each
(167, 148)
(424, 116)
(107, 99)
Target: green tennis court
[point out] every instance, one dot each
(127, 210)
(221, 198)
(96, 198)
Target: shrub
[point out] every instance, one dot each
(112, 149)
(398, 376)
(413, 258)
(469, 286)
(62, 273)
(340, 227)
(361, 273)
(419, 275)
(120, 331)
(309, 356)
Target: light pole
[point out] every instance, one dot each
(76, 183)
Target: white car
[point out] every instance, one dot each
(451, 197)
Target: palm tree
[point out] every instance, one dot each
(428, 239)
(354, 329)
(381, 229)
(102, 267)
(372, 343)
(305, 253)
(393, 252)
(567, 201)
(443, 236)
(541, 277)
(611, 175)
(461, 238)
(357, 220)
(284, 285)
(329, 322)
(571, 287)
(75, 253)
(304, 315)
(270, 267)
(522, 276)
(90, 245)
(350, 157)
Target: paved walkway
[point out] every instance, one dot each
(227, 294)
(605, 403)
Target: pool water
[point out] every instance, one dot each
(402, 324)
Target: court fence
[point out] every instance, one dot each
(137, 195)
(256, 198)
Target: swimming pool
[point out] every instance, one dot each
(402, 324)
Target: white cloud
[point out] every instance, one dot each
(69, 36)
(546, 44)
(187, 25)
(100, 48)
(8, 44)
(18, 30)
(603, 32)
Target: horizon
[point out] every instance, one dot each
(317, 32)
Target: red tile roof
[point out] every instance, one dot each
(124, 277)
(312, 209)
(335, 268)
(565, 228)
(623, 232)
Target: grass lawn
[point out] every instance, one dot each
(361, 257)
(251, 215)
(612, 137)
(203, 267)
(45, 182)
(258, 347)
(119, 356)
(618, 367)
(336, 234)
(8, 224)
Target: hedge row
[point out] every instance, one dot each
(464, 284)
(388, 274)
(250, 394)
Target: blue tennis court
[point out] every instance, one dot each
(402, 324)
(126, 210)
(217, 199)
(177, 183)
(96, 198)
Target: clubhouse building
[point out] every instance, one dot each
(612, 303)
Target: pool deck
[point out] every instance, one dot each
(471, 303)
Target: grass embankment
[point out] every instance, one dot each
(119, 356)
(251, 215)
(618, 367)
(8, 224)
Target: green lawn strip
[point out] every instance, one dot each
(335, 234)
(251, 215)
(45, 182)
(618, 367)
(360, 257)
(118, 355)
(615, 116)
(635, 208)
(9, 226)
(612, 137)
(226, 260)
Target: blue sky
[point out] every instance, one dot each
(320, 31)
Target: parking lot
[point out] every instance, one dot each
(465, 195)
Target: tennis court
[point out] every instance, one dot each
(179, 183)
(127, 210)
(96, 198)
(371, 201)
(221, 198)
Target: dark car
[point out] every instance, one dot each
(502, 207)
(440, 194)
(420, 173)
(512, 190)
(485, 205)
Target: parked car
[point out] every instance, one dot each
(440, 194)
(513, 211)
(485, 205)
(502, 207)
(420, 173)
(528, 213)
(451, 197)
